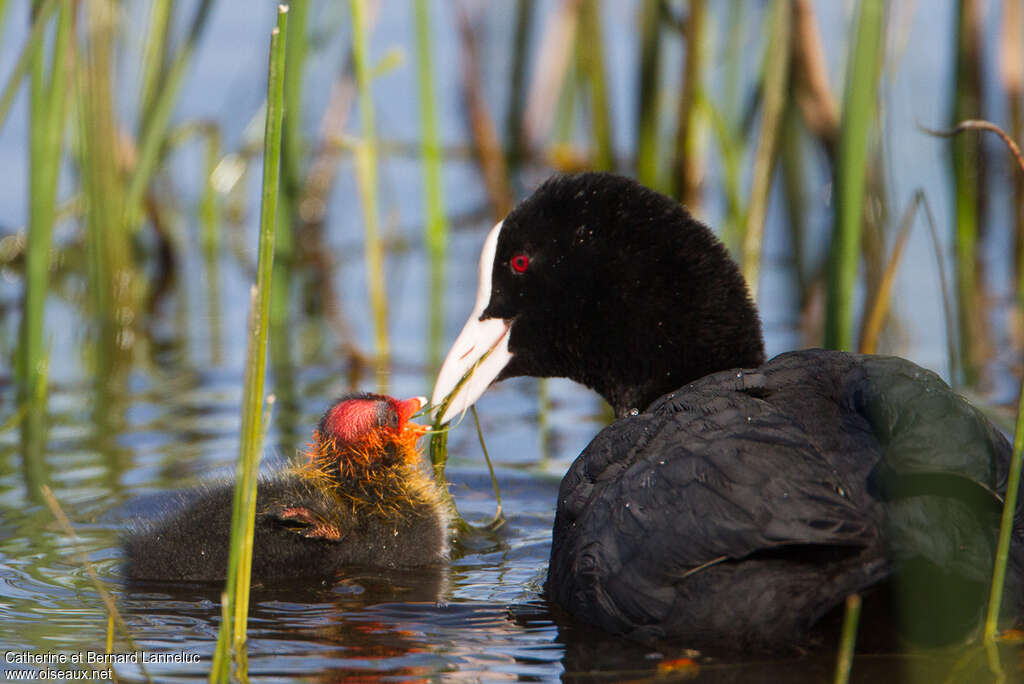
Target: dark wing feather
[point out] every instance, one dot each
(660, 503)
(747, 504)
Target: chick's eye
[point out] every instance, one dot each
(392, 419)
(519, 263)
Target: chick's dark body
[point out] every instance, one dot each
(191, 544)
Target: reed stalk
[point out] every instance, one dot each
(791, 162)
(871, 329)
(113, 286)
(995, 600)
(437, 225)
(686, 165)
(211, 239)
(859, 111)
(1011, 68)
(154, 59)
(293, 152)
(47, 100)
(292, 155)
(499, 515)
(41, 15)
(848, 639)
(590, 54)
(774, 98)
(514, 115)
(729, 140)
(154, 122)
(968, 181)
(647, 162)
(209, 206)
(995, 597)
(244, 504)
(366, 173)
(485, 133)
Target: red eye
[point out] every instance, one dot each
(519, 263)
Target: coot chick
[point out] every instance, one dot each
(361, 498)
(734, 502)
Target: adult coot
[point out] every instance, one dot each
(361, 498)
(734, 502)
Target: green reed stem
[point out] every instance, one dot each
(366, 171)
(647, 169)
(292, 153)
(776, 77)
(154, 127)
(525, 10)
(590, 51)
(848, 639)
(791, 161)
(112, 276)
(967, 181)
(154, 59)
(209, 207)
(437, 225)
(995, 597)
(859, 113)
(47, 100)
(25, 57)
(244, 505)
(730, 142)
(211, 238)
(686, 163)
(499, 515)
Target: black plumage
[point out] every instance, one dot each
(749, 498)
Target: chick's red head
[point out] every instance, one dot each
(366, 430)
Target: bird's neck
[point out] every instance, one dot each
(395, 485)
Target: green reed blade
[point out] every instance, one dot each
(686, 164)
(47, 100)
(848, 639)
(24, 62)
(430, 150)
(995, 598)
(293, 151)
(366, 171)
(647, 145)
(969, 184)
(112, 276)
(776, 77)
(244, 503)
(154, 59)
(859, 113)
(499, 515)
(589, 42)
(525, 10)
(154, 133)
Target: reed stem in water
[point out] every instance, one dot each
(244, 506)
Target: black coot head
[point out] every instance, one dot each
(596, 278)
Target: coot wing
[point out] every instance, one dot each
(655, 514)
(822, 472)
